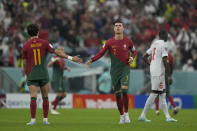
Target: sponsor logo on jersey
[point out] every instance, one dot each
(125, 46)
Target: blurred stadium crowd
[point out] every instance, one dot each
(82, 26)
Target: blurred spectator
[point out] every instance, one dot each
(82, 24)
(104, 82)
(188, 67)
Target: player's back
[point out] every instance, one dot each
(34, 51)
(158, 50)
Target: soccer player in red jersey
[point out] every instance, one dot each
(120, 48)
(170, 98)
(57, 81)
(34, 65)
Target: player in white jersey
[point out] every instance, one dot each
(158, 67)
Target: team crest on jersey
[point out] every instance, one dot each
(125, 46)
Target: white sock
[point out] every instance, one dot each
(126, 113)
(148, 104)
(164, 106)
(33, 119)
(45, 119)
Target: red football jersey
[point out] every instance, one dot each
(119, 48)
(34, 51)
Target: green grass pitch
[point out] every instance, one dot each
(95, 120)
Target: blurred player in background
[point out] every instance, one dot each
(34, 65)
(119, 48)
(170, 98)
(57, 81)
(104, 82)
(158, 67)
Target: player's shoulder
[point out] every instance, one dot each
(126, 38)
(43, 41)
(158, 43)
(26, 44)
(109, 41)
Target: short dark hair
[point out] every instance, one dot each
(163, 35)
(117, 21)
(33, 29)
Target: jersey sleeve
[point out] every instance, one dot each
(101, 52)
(164, 50)
(24, 53)
(50, 47)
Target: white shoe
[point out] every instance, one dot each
(157, 112)
(32, 122)
(45, 121)
(143, 119)
(121, 119)
(171, 120)
(54, 112)
(126, 118)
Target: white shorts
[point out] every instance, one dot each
(158, 83)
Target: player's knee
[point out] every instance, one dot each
(124, 87)
(34, 94)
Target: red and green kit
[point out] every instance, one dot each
(119, 51)
(170, 62)
(57, 81)
(35, 51)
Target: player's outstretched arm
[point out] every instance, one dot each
(97, 56)
(64, 55)
(145, 58)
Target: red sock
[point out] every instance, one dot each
(33, 107)
(119, 104)
(45, 107)
(157, 103)
(172, 101)
(126, 102)
(55, 102)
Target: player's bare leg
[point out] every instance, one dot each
(162, 97)
(125, 103)
(120, 106)
(44, 91)
(33, 93)
(147, 106)
(59, 97)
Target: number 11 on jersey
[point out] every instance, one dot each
(35, 56)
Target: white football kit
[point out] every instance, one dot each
(157, 50)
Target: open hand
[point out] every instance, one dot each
(88, 63)
(77, 59)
